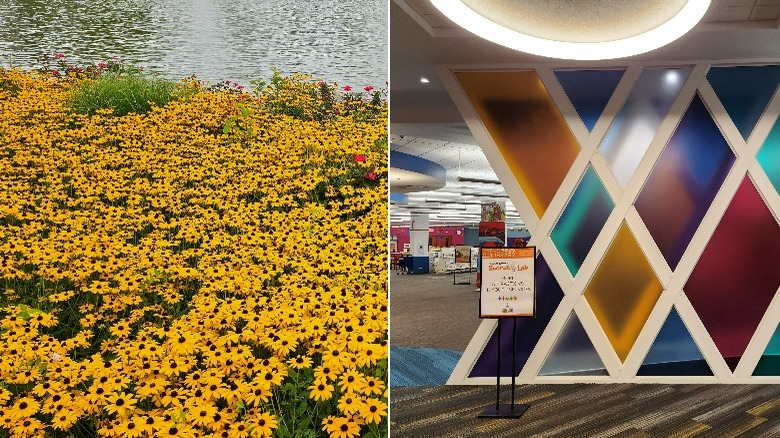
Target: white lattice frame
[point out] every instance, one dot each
(573, 288)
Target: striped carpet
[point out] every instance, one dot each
(590, 410)
(421, 366)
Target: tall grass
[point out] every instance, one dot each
(123, 93)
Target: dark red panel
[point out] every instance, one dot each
(738, 273)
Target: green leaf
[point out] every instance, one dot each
(302, 406)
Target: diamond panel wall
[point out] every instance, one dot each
(659, 239)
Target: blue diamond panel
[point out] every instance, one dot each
(744, 92)
(573, 353)
(684, 181)
(582, 220)
(529, 330)
(589, 91)
(674, 352)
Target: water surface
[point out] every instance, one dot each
(237, 40)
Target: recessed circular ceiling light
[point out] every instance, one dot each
(580, 30)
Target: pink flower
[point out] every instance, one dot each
(368, 88)
(321, 83)
(102, 65)
(360, 158)
(371, 176)
(348, 88)
(59, 55)
(227, 82)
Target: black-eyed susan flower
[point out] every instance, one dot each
(24, 407)
(350, 403)
(373, 386)
(321, 390)
(352, 381)
(343, 428)
(373, 410)
(263, 424)
(120, 403)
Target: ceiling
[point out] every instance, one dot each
(425, 122)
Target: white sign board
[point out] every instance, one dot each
(508, 282)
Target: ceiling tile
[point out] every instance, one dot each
(767, 2)
(736, 13)
(722, 3)
(765, 12)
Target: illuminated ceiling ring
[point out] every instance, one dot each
(577, 30)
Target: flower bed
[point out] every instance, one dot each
(213, 267)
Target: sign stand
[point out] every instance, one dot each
(518, 287)
(506, 410)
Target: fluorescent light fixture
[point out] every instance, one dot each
(679, 24)
(424, 80)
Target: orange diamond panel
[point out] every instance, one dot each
(623, 292)
(527, 127)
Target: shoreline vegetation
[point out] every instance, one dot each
(187, 259)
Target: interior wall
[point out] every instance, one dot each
(640, 219)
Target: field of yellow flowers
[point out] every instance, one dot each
(213, 267)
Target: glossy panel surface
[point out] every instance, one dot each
(623, 291)
(769, 364)
(737, 275)
(769, 156)
(573, 353)
(582, 220)
(589, 91)
(674, 352)
(684, 181)
(744, 91)
(529, 330)
(637, 122)
(527, 128)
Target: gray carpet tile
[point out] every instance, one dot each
(590, 410)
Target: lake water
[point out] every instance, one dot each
(238, 40)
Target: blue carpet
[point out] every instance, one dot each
(421, 366)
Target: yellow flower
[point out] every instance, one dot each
(264, 425)
(321, 390)
(300, 362)
(350, 403)
(24, 407)
(373, 386)
(343, 428)
(373, 410)
(120, 404)
(352, 381)
(64, 419)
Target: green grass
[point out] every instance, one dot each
(123, 93)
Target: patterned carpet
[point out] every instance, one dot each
(593, 411)
(421, 366)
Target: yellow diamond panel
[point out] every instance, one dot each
(623, 292)
(527, 127)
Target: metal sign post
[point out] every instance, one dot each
(507, 291)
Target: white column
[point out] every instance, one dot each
(418, 234)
